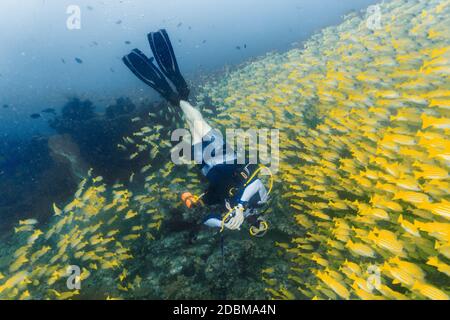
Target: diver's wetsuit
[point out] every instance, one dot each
(218, 165)
(217, 162)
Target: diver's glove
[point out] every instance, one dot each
(236, 218)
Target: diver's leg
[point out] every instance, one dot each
(256, 188)
(197, 125)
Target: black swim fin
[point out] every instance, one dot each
(145, 70)
(167, 62)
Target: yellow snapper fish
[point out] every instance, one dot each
(408, 226)
(334, 285)
(435, 122)
(28, 222)
(440, 231)
(441, 208)
(360, 249)
(391, 294)
(13, 281)
(36, 234)
(56, 210)
(412, 197)
(440, 266)
(387, 240)
(430, 171)
(24, 228)
(429, 291)
(64, 295)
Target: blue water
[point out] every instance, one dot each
(205, 33)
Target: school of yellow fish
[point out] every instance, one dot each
(102, 230)
(364, 119)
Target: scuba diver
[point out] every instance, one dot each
(236, 187)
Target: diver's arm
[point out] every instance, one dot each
(253, 189)
(236, 215)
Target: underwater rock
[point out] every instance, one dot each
(99, 135)
(73, 115)
(122, 107)
(31, 181)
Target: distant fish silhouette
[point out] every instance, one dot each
(238, 47)
(95, 43)
(204, 41)
(127, 42)
(63, 61)
(245, 46)
(5, 106)
(78, 60)
(35, 116)
(112, 70)
(90, 8)
(190, 28)
(179, 25)
(119, 22)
